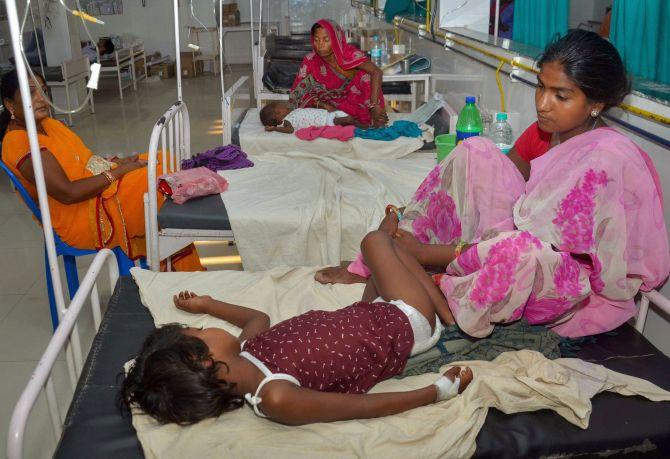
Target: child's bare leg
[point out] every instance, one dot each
(370, 293)
(436, 295)
(392, 279)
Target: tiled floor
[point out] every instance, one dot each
(25, 325)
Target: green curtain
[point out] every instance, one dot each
(394, 8)
(640, 30)
(536, 22)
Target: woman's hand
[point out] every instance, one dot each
(190, 302)
(379, 116)
(389, 224)
(129, 159)
(410, 243)
(128, 166)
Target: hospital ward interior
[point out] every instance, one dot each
(334, 228)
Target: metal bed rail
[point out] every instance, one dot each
(172, 133)
(64, 337)
(655, 297)
(228, 107)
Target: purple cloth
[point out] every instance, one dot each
(219, 159)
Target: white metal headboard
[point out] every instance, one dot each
(171, 137)
(64, 337)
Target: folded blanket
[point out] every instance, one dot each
(342, 133)
(400, 128)
(218, 159)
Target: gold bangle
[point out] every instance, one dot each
(110, 178)
(459, 249)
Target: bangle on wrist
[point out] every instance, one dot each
(108, 175)
(459, 249)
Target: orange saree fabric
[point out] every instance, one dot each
(113, 218)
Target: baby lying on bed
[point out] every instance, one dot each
(278, 116)
(315, 367)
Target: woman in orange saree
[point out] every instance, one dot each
(94, 203)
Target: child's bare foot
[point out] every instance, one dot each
(464, 373)
(338, 275)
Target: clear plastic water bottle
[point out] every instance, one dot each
(385, 51)
(376, 52)
(469, 122)
(501, 133)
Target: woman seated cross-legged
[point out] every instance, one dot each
(564, 231)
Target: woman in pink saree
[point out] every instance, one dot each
(339, 76)
(568, 248)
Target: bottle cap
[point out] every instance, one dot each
(470, 99)
(501, 116)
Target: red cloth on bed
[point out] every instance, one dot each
(342, 133)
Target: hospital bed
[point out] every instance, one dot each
(94, 426)
(176, 226)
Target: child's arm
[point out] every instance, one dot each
(286, 128)
(251, 321)
(287, 403)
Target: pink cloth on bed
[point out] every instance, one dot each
(568, 249)
(342, 133)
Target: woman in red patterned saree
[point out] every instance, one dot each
(339, 76)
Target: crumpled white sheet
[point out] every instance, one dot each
(514, 382)
(302, 209)
(254, 140)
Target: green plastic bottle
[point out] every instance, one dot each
(469, 122)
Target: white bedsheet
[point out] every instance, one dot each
(301, 209)
(514, 382)
(254, 140)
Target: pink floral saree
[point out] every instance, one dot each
(568, 249)
(318, 81)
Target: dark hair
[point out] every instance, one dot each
(109, 45)
(8, 88)
(592, 63)
(174, 379)
(314, 28)
(268, 114)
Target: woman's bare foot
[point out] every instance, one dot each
(338, 275)
(464, 373)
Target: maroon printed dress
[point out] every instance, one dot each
(348, 350)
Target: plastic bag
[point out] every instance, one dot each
(191, 183)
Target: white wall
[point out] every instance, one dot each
(154, 24)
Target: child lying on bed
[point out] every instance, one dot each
(278, 116)
(315, 367)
